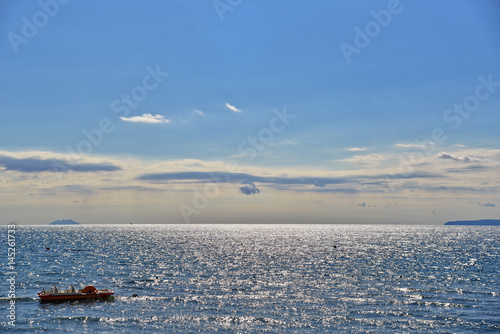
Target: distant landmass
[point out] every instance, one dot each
(487, 222)
(64, 222)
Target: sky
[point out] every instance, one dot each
(236, 111)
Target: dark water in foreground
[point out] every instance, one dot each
(259, 278)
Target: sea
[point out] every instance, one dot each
(254, 278)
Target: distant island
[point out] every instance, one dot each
(487, 222)
(64, 222)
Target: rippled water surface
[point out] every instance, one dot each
(259, 278)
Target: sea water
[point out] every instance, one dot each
(256, 278)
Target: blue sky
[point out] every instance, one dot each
(262, 95)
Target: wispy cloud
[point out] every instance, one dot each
(240, 177)
(356, 149)
(318, 181)
(463, 158)
(284, 143)
(411, 146)
(469, 168)
(199, 112)
(146, 118)
(370, 160)
(232, 108)
(37, 164)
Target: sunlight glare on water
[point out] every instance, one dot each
(276, 278)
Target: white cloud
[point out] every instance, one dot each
(233, 108)
(199, 112)
(411, 145)
(146, 118)
(356, 149)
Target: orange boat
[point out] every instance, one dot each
(87, 293)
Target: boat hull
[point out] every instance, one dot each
(89, 293)
(56, 298)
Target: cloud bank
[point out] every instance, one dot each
(345, 185)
